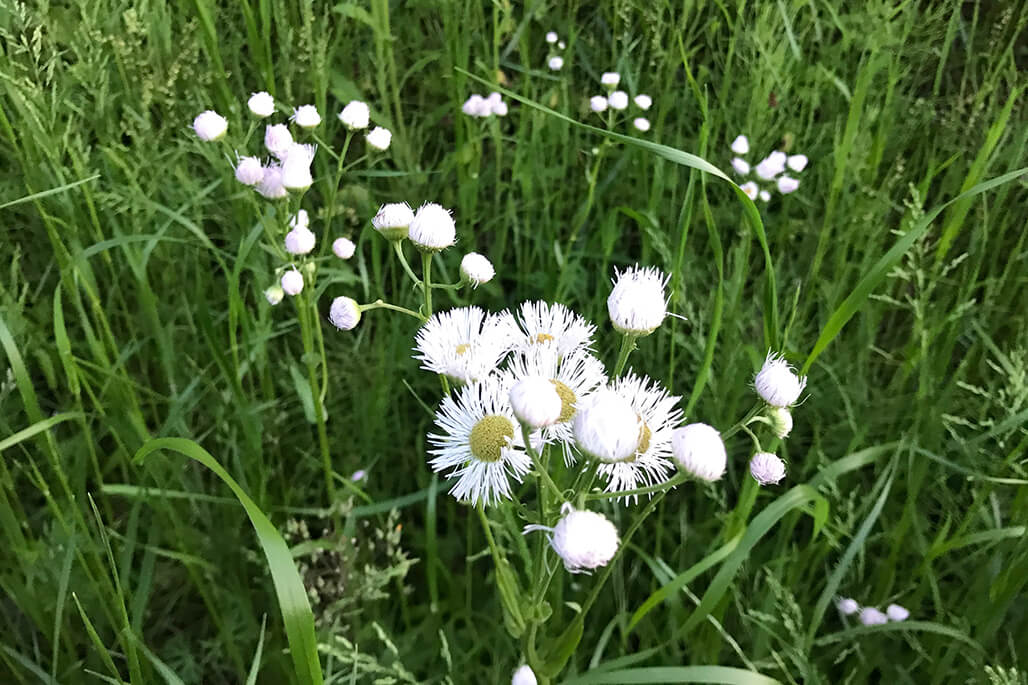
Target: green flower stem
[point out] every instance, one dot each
(448, 286)
(660, 487)
(334, 190)
(544, 477)
(398, 248)
(426, 273)
(627, 345)
(379, 304)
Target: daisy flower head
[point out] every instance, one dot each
(700, 452)
(551, 37)
(479, 446)
(641, 124)
(797, 162)
(658, 413)
(555, 63)
(524, 676)
(610, 79)
(741, 145)
(344, 313)
(261, 104)
(476, 106)
(765, 196)
(751, 189)
(393, 220)
(771, 166)
(292, 282)
(535, 401)
(643, 101)
(433, 228)
(598, 103)
(210, 126)
(847, 606)
(306, 116)
(465, 344)
(296, 167)
(787, 184)
(895, 612)
(301, 218)
(573, 376)
(871, 616)
(544, 324)
(637, 304)
(343, 248)
(300, 241)
(776, 382)
(741, 166)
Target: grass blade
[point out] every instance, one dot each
(675, 674)
(292, 596)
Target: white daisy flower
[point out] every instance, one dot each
(741, 166)
(551, 37)
(379, 138)
(618, 100)
(787, 184)
(642, 124)
(356, 115)
(476, 269)
(573, 375)
(555, 63)
(643, 101)
(278, 140)
(261, 104)
(249, 171)
(751, 189)
(210, 125)
(895, 612)
(465, 344)
(598, 103)
(796, 162)
(480, 447)
(270, 185)
(776, 382)
(306, 116)
(741, 145)
(553, 324)
(584, 540)
(659, 414)
(610, 79)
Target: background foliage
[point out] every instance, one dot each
(131, 308)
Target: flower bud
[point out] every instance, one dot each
(611, 79)
(551, 37)
(796, 162)
(777, 384)
(847, 606)
(261, 104)
(535, 402)
(618, 100)
(741, 145)
(641, 124)
(741, 166)
(296, 167)
(699, 450)
(787, 184)
(306, 116)
(393, 220)
(292, 282)
(606, 427)
(598, 103)
(870, 616)
(344, 313)
(300, 241)
(555, 63)
(781, 422)
(210, 126)
(271, 183)
(278, 140)
(249, 171)
(343, 248)
(767, 468)
(379, 138)
(274, 294)
(637, 305)
(584, 540)
(476, 269)
(897, 613)
(355, 116)
(432, 229)
(643, 102)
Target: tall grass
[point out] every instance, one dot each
(132, 309)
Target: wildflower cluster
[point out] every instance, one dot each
(772, 172)
(554, 60)
(871, 616)
(618, 100)
(483, 107)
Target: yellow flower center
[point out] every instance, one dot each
(567, 400)
(489, 436)
(544, 338)
(644, 439)
(462, 349)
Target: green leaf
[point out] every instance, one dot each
(675, 674)
(289, 589)
(37, 428)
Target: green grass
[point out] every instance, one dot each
(131, 308)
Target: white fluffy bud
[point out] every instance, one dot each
(787, 184)
(643, 102)
(870, 616)
(584, 540)
(249, 171)
(741, 145)
(699, 450)
(598, 103)
(767, 468)
(343, 248)
(897, 613)
(306, 116)
(356, 115)
(261, 104)
(379, 138)
(300, 240)
(433, 228)
(271, 183)
(476, 106)
(741, 166)
(476, 269)
(551, 37)
(847, 606)
(618, 100)
(393, 220)
(209, 125)
(292, 282)
(610, 79)
(606, 427)
(344, 313)
(296, 167)
(637, 305)
(535, 402)
(781, 422)
(777, 384)
(641, 124)
(555, 63)
(751, 189)
(797, 162)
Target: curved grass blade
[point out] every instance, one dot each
(871, 280)
(686, 159)
(796, 498)
(289, 589)
(899, 626)
(675, 674)
(36, 428)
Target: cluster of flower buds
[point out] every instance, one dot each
(618, 100)
(772, 172)
(554, 60)
(478, 106)
(870, 616)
